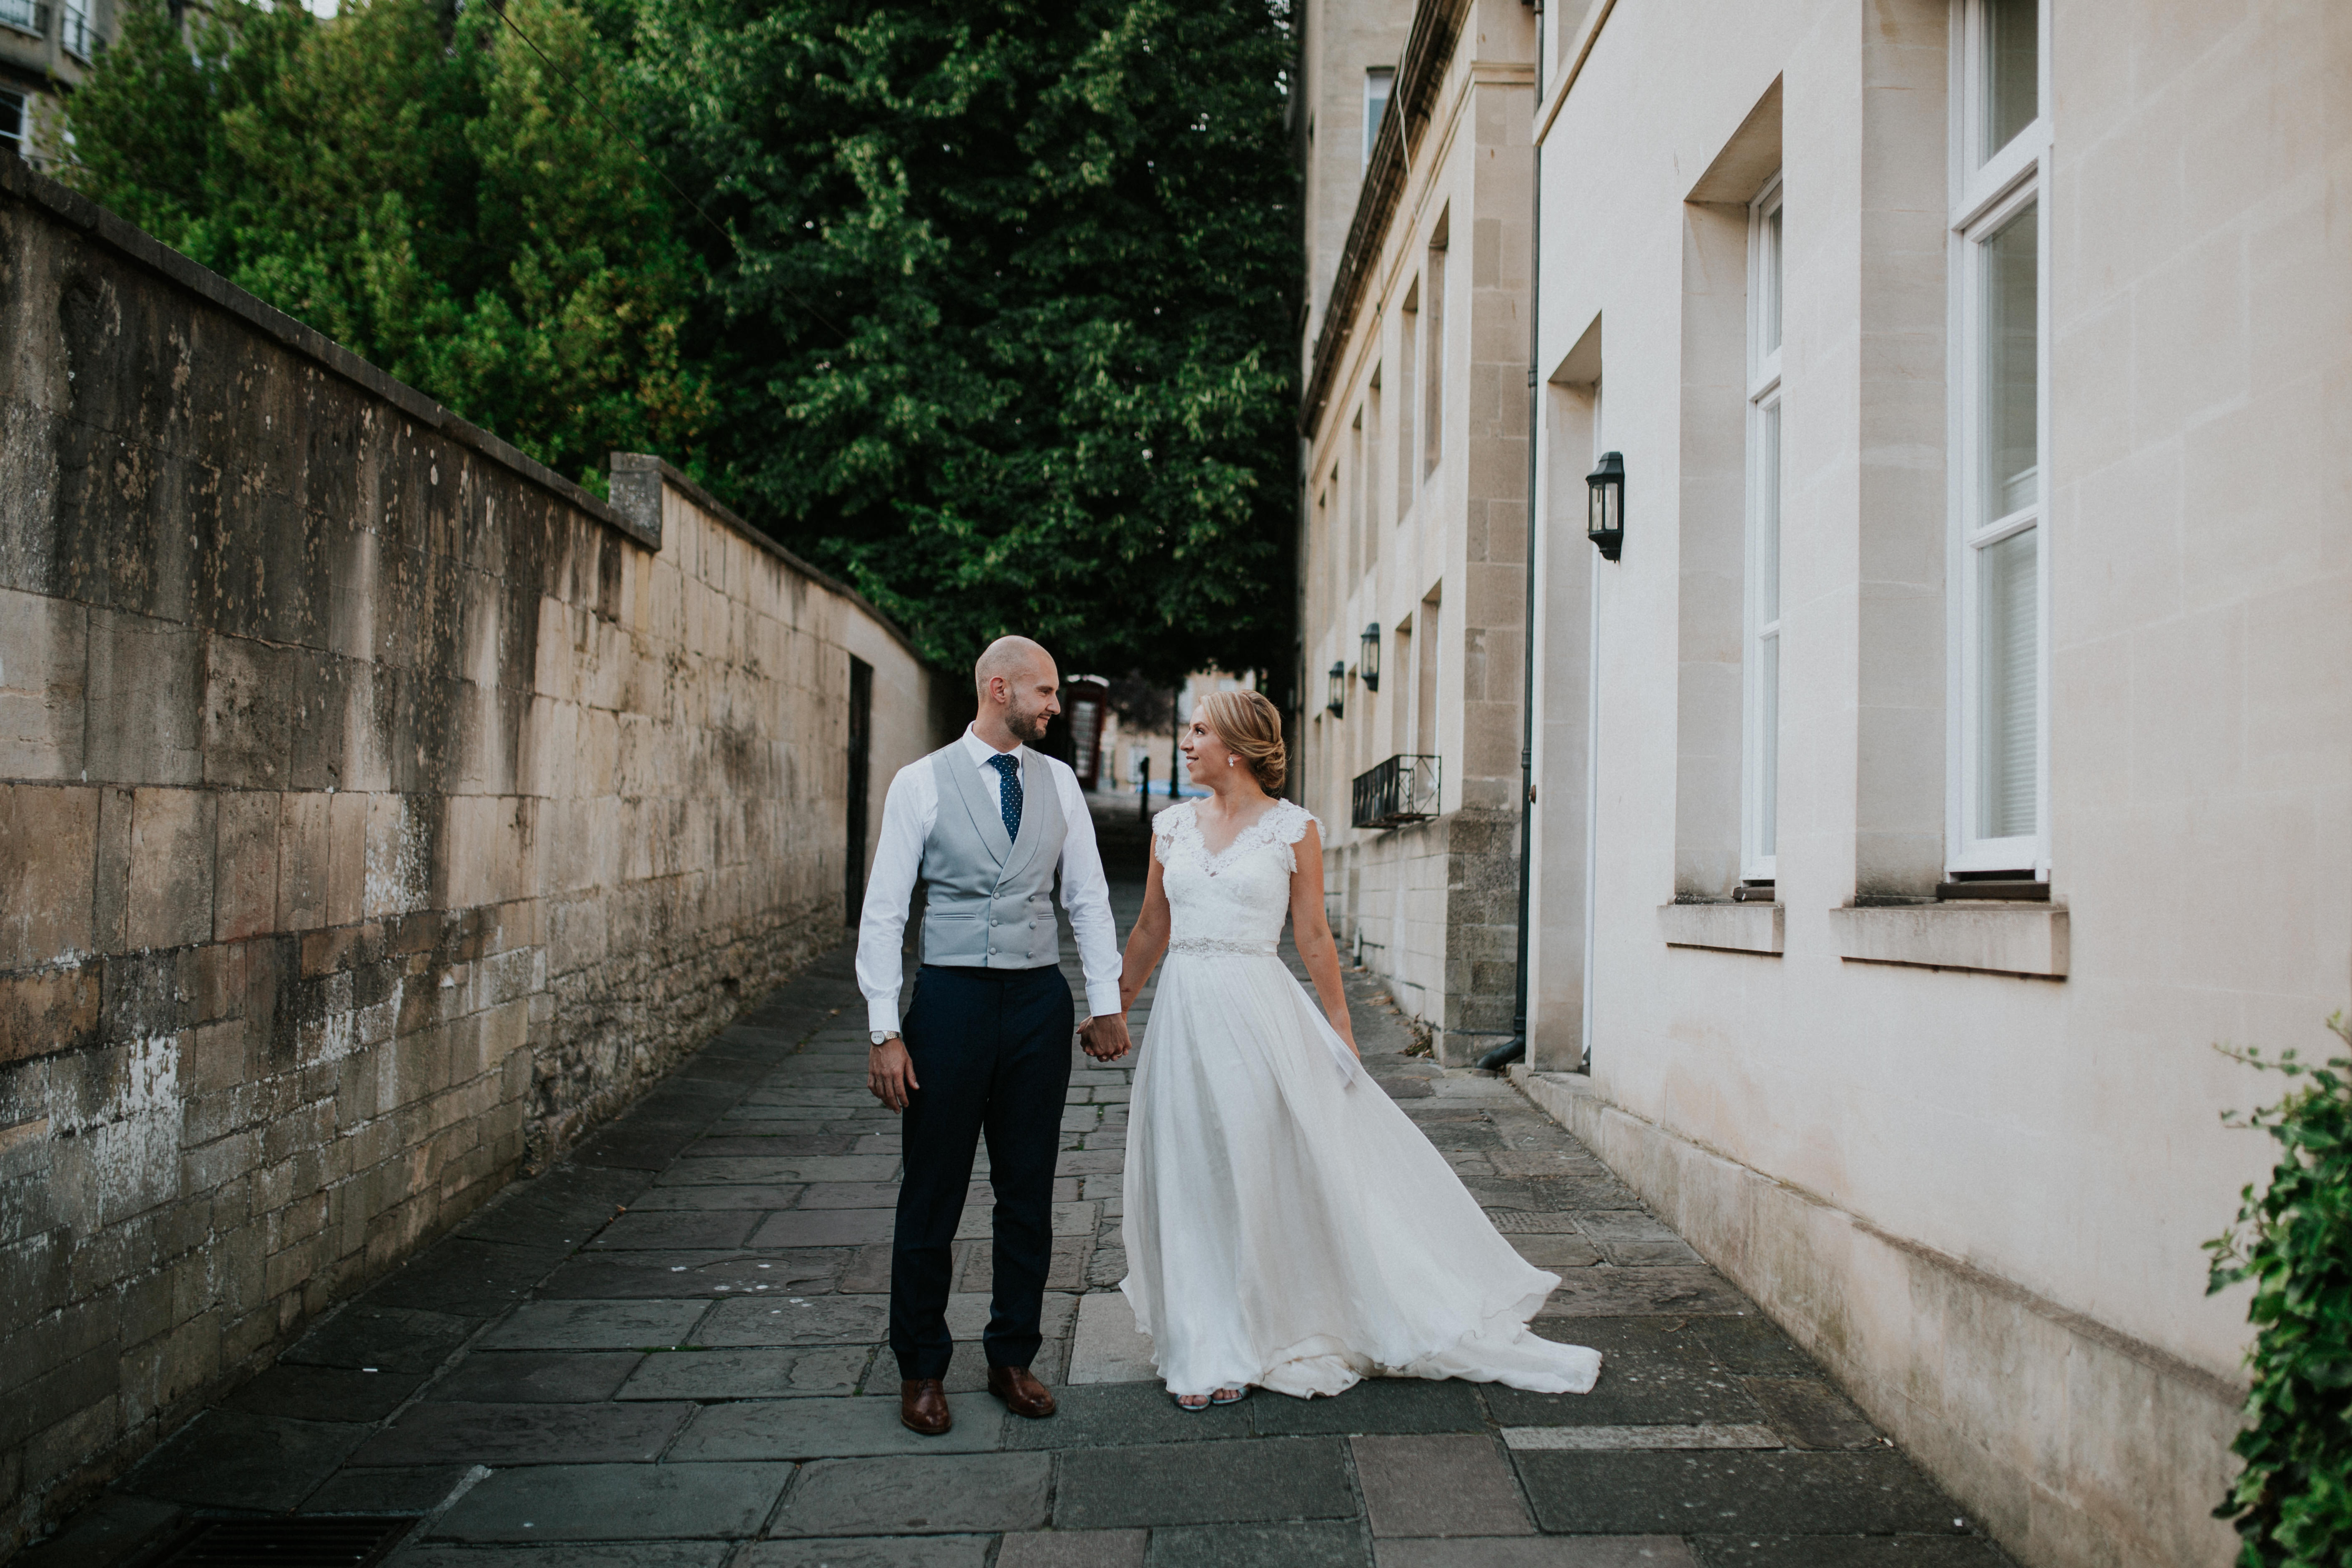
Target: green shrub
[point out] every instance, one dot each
(2293, 1504)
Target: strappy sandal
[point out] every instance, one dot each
(1205, 1400)
(1239, 1394)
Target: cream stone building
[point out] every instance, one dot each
(1971, 383)
(1980, 374)
(1413, 537)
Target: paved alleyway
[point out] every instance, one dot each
(666, 1354)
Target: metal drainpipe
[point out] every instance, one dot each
(1515, 1047)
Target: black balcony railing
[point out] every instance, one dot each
(1401, 790)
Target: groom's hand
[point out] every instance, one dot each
(1105, 1038)
(890, 1073)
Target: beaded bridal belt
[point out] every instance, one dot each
(1221, 944)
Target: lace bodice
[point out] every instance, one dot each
(1234, 901)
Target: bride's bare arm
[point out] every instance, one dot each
(1310, 928)
(1147, 944)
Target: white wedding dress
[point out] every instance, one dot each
(1285, 1224)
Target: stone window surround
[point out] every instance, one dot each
(1984, 936)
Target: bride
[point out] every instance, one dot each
(1286, 1225)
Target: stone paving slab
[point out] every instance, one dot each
(1206, 1483)
(763, 1373)
(653, 1274)
(325, 1393)
(750, 1195)
(1556, 1552)
(615, 1503)
(835, 1428)
(226, 1458)
(668, 1352)
(596, 1325)
(872, 1552)
(395, 1490)
(602, 1433)
(918, 1496)
(1074, 1549)
(1303, 1545)
(636, 1555)
(516, 1377)
(368, 1337)
(1656, 1492)
(1950, 1551)
(808, 1321)
(1451, 1484)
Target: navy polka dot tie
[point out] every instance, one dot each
(1009, 800)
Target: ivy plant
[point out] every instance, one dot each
(2293, 1503)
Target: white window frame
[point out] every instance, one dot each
(1766, 487)
(1987, 192)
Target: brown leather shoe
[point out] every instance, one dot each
(923, 1406)
(1023, 1394)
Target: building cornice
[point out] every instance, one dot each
(1436, 29)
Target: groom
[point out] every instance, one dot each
(986, 1046)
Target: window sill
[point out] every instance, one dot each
(1988, 936)
(1726, 928)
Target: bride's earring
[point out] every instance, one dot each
(1229, 762)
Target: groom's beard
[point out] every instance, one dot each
(1028, 728)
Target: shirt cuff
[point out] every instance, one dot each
(882, 1013)
(1102, 1000)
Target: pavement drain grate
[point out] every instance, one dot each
(312, 1542)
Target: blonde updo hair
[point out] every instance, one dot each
(1251, 729)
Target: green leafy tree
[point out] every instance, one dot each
(1006, 313)
(2293, 1502)
(430, 190)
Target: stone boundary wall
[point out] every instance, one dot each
(378, 810)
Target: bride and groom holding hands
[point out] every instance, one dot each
(1286, 1226)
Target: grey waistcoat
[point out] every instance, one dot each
(990, 900)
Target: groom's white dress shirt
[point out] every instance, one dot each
(909, 812)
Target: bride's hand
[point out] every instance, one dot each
(1105, 1038)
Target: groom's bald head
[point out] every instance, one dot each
(1012, 658)
(1015, 681)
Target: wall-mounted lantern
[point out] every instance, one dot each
(1335, 699)
(1606, 525)
(1370, 667)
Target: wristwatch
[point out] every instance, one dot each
(882, 1037)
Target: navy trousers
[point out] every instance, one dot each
(991, 1051)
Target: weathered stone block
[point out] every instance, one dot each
(172, 840)
(245, 864)
(58, 1010)
(323, 701)
(248, 721)
(49, 837)
(44, 658)
(304, 859)
(146, 686)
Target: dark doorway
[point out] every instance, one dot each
(861, 745)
